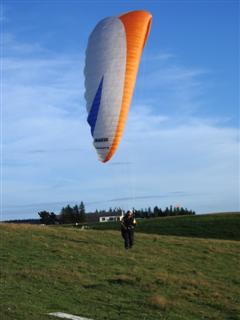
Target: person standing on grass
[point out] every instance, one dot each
(127, 229)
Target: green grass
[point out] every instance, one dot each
(88, 273)
(215, 226)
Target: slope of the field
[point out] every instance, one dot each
(216, 226)
(88, 273)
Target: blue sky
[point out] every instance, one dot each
(181, 141)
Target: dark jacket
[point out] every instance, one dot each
(127, 223)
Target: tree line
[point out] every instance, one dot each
(158, 212)
(68, 214)
(149, 212)
(77, 214)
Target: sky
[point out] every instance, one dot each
(181, 141)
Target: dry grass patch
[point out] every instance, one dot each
(159, 302)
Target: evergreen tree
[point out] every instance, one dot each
(44, 216)
(166, 212)
(82, 213)
(47, 217)
(177, 211)
(155, 211)
(66, 215)
(160, 212)
(53, 218)
(76, 214)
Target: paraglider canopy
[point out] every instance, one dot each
(112, 60)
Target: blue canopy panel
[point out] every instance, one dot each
(93, 114)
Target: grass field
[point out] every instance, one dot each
(88, 273)
(215, 226)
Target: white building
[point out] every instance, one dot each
(111, 218)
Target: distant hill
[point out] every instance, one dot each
(23, 221)
(215, 226)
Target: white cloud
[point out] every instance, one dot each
(193, 157)
(158, 56)
(49, 157)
